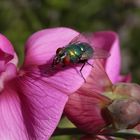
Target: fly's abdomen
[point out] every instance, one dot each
(87, 51)
(80, 51)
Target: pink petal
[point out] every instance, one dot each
(11, 120)
(7, 52)
(14, 60)
(109, 41)
(41, 48)
(126, 78)
(86, 106)
(2, 66)
(9, 73)
(85, 111)
(42, 106)
(42, 45)
(98, 81)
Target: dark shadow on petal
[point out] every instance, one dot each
(47, 70)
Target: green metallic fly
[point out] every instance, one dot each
(78, 51)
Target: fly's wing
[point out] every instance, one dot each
(83, 37)
(100, 53)
(79, 38)
(88, 38)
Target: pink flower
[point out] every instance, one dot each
(98, 105)
(87, 107)
(33, 97)
(109, 41)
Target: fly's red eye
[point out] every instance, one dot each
(58, 50)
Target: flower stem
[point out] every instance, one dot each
(122, 134)
(67, 131)
(75, 131)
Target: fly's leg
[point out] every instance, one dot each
(90, 64)
(84, 62)
(81, 71)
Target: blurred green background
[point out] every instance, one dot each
(20, 18)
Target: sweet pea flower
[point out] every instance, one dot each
(92, 107)
(109, 40)
(100, 106)
(86, 108)
(33, 96)
(89, 103)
